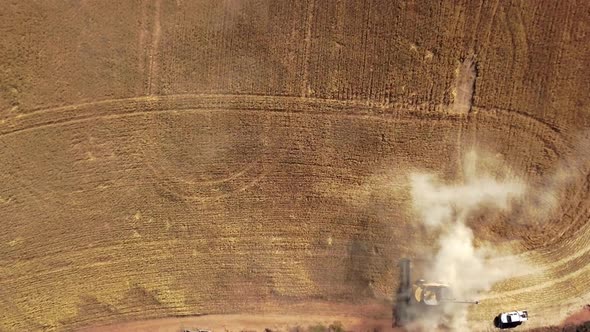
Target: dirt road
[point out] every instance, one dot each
(312, 314)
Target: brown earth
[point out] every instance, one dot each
(176, 158)
(578, 322)
(367, 316)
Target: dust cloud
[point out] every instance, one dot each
(445, 209)
(542, 201)
(487, 184)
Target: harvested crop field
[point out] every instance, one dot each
(252, 158)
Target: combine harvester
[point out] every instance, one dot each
(432, 293)
(419, 298)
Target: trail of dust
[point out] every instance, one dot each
(543, 202)
(445, 209)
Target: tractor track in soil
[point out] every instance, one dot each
(552, 279)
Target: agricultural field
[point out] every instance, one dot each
(249, 164)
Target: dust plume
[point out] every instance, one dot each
(445, 209)
(542, 201)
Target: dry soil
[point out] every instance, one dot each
(177, 158)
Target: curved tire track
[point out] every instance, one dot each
(564, 262)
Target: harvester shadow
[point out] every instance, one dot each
(401, 311)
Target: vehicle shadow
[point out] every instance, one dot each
(498, 323)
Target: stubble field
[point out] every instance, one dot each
(176, 158)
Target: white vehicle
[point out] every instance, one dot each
(513, 317)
